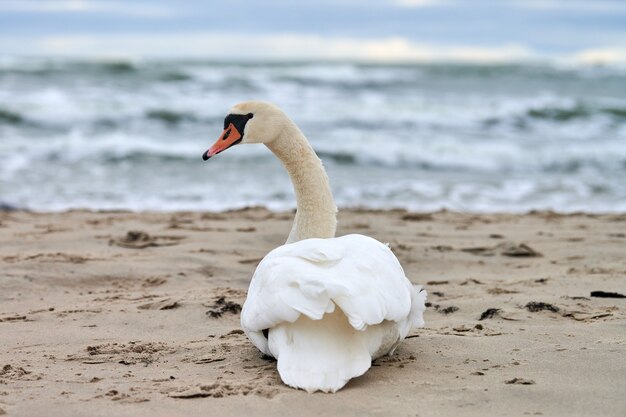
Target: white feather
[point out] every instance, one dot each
(294, 294)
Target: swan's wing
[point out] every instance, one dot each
(377, 288)
(285, 284)
(357, 273)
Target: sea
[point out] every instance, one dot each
(129, 134)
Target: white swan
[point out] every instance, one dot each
(323, 306)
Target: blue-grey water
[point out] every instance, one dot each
(130, 134)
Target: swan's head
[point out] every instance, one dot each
(249, 122)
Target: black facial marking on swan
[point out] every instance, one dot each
(238, 120)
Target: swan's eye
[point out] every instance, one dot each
(250, 115)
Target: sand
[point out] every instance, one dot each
(98, 321)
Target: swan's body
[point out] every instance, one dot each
(331, 306)
(324, 307)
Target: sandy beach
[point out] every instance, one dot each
(131, 314)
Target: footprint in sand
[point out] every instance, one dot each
(225, 389)
(12, 373)
(123, 353)
(153, 282)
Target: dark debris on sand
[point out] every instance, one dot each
(535, 306)
(505, 249)
(417, 217)
(606, 294)
(136, 239)
(221, 306)
(520, 381)
(489, 313)
(447, 310)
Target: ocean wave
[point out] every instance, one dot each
(377, 97)
(174, 76)
(171, 117)
(577, 111)
(499, 163)
(432, 193)
(11, 118)
(360, 83)
(447, 154)
(48, 67)
(574, 165)
(130, 134)
(436, 121)
(330, 71)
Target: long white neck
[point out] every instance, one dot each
(316, 215)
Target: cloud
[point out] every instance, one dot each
(256, 46)
(87, 6)
(608, 55)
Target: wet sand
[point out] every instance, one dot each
(131, 314)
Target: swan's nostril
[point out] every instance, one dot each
(226, 135)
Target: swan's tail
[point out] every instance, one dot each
(319, 354)
(418, 306)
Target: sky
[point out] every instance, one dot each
(590, 31)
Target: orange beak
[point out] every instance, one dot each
(230, 136)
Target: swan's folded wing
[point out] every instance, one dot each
(288, 283)
(310, 277)
(378, 288)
